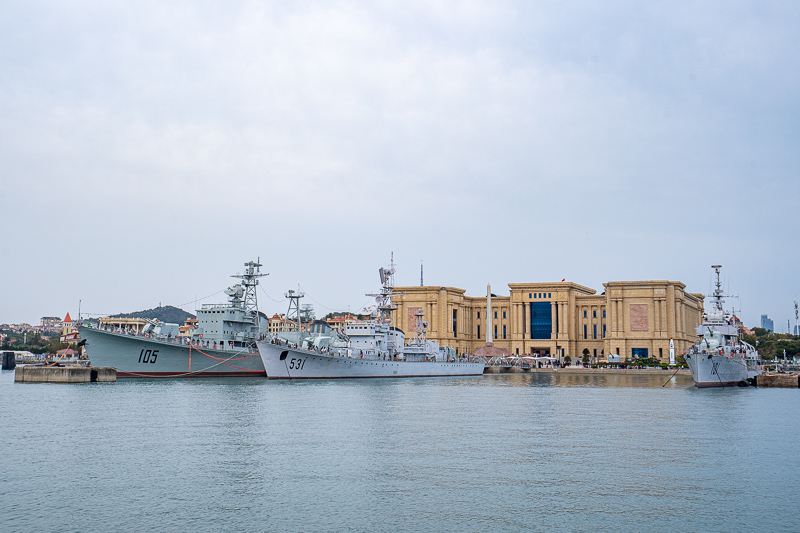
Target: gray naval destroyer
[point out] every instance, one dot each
(223, 344)
(721, 358)
(371, 349)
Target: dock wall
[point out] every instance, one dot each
(64, 374)
(784, 381)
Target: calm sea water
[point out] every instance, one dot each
(500, 453)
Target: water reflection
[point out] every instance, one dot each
(571, 379)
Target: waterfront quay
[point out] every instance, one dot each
(64, 374)
(580, 370)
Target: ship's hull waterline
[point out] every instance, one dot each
(282, 362)
(717, 370)
(136, 357)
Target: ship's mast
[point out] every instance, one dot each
(384, 298)
(717, 294)
(250, 282)
(294, 308)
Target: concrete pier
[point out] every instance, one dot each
(785, 381)
(8, 361)
(64, 374)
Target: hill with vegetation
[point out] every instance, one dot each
(165, 313)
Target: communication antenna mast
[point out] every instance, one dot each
(384, 298)
(717, 294)
(294, 308)
(796, 316)
(250, 298)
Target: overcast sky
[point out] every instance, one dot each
(149, 149)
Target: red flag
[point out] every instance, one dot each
(565, 279)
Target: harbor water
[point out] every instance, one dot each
(519, 452)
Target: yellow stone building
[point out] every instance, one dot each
(630, 318)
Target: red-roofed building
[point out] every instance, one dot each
(340, 322)
(188, 327)
(68, 333)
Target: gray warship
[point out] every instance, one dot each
(222, 345)
(371, 349)
(721, 357)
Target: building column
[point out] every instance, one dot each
(526, 322)
(671, 311)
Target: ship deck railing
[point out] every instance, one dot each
(370, 355)
(178, 340)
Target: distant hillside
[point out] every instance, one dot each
(165, 313)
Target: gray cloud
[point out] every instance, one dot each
(147, 150)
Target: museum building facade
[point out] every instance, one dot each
(635, 319)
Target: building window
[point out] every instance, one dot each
(604, 314)
(534, 294)
(504, 332)
(479, 332)
(504, 314)
(495, 331)
(541, 320)
(495, 314)
(594, 314)
(639, 353)
(585, 327)
(455, 322)
(549, 295)
(530, 295)
(584, 313)
(595, 331)
(479, 314)
(604, 331)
